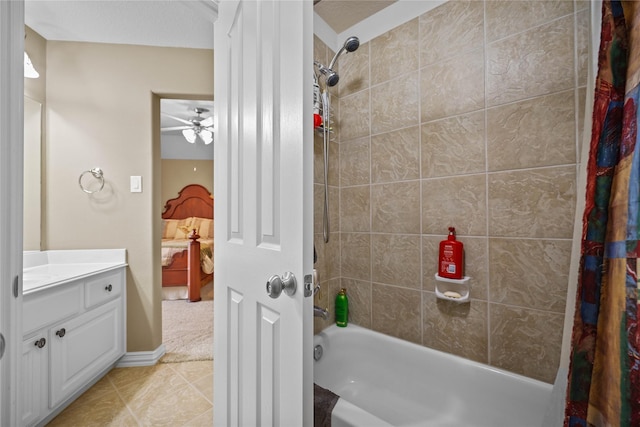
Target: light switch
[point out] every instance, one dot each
(136, 184)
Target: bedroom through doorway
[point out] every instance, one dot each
(186, 141)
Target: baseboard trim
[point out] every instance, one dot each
(141, 358)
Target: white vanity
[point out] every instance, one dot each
(74, 328)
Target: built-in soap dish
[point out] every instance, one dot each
(455, 290)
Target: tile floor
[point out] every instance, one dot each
(167, 394)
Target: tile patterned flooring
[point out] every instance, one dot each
(167, 394)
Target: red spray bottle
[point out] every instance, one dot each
(451, 257)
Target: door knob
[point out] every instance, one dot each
(277, 284)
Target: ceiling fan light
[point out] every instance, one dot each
(29, 69)
(189, 135)
(207, 136)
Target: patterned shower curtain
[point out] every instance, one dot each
(604, 378)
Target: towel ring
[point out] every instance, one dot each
(97, 174)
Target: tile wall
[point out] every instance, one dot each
(468, 116)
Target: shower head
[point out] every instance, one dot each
(350, 45)
(330, 76)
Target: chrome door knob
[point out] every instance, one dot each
(277, 284)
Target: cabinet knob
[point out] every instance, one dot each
(61, 332)
(40, 343)
(108, 288)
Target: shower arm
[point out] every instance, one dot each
(335, 57)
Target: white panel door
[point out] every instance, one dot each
(263, 213)
(11, 178)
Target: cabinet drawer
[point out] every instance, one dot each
(46, 307)
(103, 288)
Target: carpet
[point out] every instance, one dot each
(187, 328)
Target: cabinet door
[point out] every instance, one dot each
(34, 379)
(82, 347)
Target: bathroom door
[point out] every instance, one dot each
(263, 213)
(11, 165)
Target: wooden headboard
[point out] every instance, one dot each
(193, 200)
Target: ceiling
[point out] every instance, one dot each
(341, 15)
(167, 23)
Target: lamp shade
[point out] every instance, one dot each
(189, 135)
(207, 136)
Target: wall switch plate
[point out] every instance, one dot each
(136, 184)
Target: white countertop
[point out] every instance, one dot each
(42, 270)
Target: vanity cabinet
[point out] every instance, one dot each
(74, 333)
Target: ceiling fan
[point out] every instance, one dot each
(196, 126)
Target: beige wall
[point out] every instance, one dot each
(176, 174)
(466, 116)
(101, 111)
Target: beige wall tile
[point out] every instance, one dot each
(532, 133)
(355, 162)
(318, 208)
(506, 17)
(320, 51)
(395, 52)
(533, 203)
(525, 341)
(582, 4)
(359, 295)
(356, 255)
(394, 104)
(453, 146)
(459, 329)
(325, 298)
(530, 273)
(396, 312)
(533, 63)
(354, 71)
(451, 29)
(582, 45)
(396, 260)
(395, 208)
(355, 209)
(354, 115)
(458, 202)
(318, 161)
(395, 156)
(328, 264)
(475, 263)
(453, 86)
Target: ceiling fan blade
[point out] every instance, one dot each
(187, 122)
(207, 122)
(175, 128)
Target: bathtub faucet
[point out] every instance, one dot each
(320, 312)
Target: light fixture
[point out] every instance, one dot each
(189, 135)
(29, 70)
(206, 136)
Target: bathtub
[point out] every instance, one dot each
(384, 381)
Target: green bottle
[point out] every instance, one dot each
(342, 308)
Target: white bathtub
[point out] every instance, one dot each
(384, 381)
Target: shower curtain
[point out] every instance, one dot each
(604, 378)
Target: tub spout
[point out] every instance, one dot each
(320, 312)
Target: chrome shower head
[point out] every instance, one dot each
(350, 45)
(330, 76)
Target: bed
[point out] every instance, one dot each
(187, 241)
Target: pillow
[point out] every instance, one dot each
(176, 228)
(204, 227)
